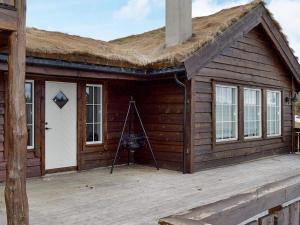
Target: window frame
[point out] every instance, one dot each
(31, 147)
(241, 138)
(236, 138)
(280, 113)
(90, 143)
(261, 113)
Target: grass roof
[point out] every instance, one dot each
(145, 50)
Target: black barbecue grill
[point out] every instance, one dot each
(130, 141)
(133, 142)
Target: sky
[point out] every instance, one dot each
(111, 19)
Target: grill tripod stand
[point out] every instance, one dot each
(132, 105)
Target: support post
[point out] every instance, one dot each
(15, 189)
(184, 123)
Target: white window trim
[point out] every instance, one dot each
(236, 112)
(101, 119)
(33, 115)
(280, 115)
(260, 124)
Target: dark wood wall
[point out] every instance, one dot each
(8, 2)
(116, 98)
(161, 107)
(250, 61)
(33, 156)
(116, 95)
(2, 128)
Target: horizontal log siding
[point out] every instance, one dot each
(7, 2)
(249, 61)
(115, 105)
(161, 107)
(2, 128)
(33, 156)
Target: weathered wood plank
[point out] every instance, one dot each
(283, 216)
(8, 2)
(294, 211)
(267, 220)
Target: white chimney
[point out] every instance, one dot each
(178, 21)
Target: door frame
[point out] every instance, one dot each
(81, 126)
(43, 125)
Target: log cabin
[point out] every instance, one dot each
(211, 91)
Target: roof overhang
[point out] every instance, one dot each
(51, 67)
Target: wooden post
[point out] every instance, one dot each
(15, 190)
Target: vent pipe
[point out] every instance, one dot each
(178, 21)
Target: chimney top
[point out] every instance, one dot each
(178, 21)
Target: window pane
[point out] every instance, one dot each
(97, 99)
(28, 92)
(252, 113)
(89, 113)
(29, 138)
(94, 114)
(97, 114)
(29, 113)
(97, 134)
(226, 112)
(89, 132)
(274, 113)
(89, 95)
(29, 99)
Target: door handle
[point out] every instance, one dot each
(47, 128)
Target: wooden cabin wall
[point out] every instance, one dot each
(161, 107)
(33, 156)
(252, 60)
(117, 95)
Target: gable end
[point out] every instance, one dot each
(258, 16)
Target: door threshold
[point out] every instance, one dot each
(61, 170)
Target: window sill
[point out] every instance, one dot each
(94, 144)
(253, 139)
(247, 140)
(226, 142)
(274, 137)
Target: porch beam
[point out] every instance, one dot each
(8, 19)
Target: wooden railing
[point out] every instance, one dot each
(296, 140)
(273, 204)
(288, 215)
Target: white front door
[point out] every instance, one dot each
(60, 125)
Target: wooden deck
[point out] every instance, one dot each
(141, 195)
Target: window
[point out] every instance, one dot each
(93, 114)
(29, 98)
(252, 113)
(226, 113)
(273, 113)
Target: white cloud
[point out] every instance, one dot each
(136, 9)
(286, 12)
